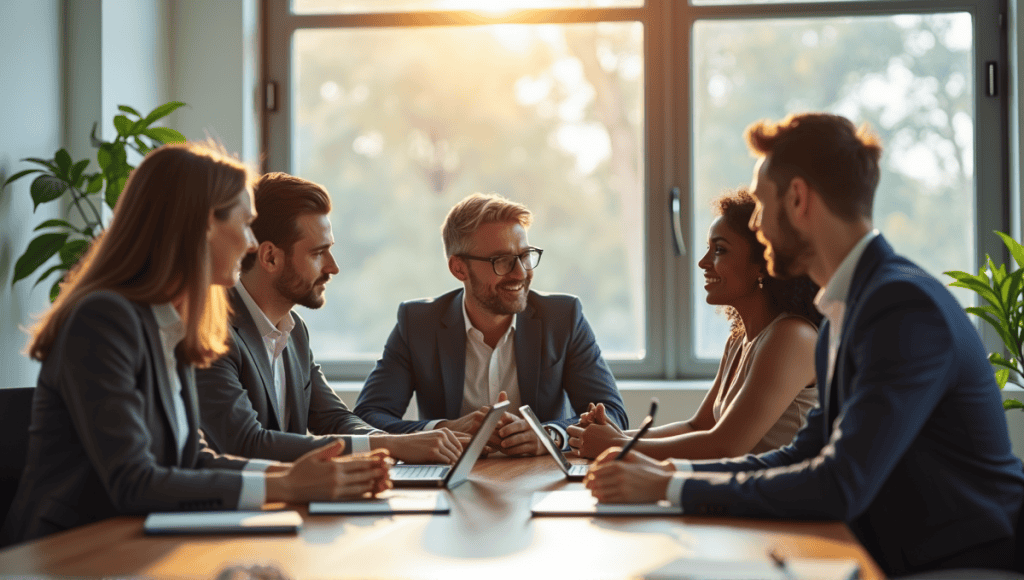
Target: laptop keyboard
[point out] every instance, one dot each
(419, 471)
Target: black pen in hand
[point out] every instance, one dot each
(648, 421)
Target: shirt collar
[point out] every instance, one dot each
(263, 324)
(837, 290)
(171, 326)
(469, 325)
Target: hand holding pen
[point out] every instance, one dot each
(621, 476)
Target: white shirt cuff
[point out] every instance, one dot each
(683, 465)
(254, 490)
(432, 424)
(257, 465)
(674, 491)
(360, 443)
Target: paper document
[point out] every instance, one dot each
(575, 502)
(223, 522)
(395, 501)
(796, 569)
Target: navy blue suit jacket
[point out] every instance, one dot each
(909, 445)
(557, 359)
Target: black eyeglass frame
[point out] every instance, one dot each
(494, 260)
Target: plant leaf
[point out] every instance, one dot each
(95, 183)
(1012, 404)
(49, 271)
(1016, 250)
(55, 290)
(96, 142)
(128, 109)
(20, 174)
(996, 359)
(163, 111)
(77, 170)
(54, 223)
(103, 156)
(49, 164)
(123, 125)
(995, 322)
(982, 289)
(37, 253)
(72, 252)
(164, 135)
(1002, 375)
(63, 160)
(47, 188)
(142, 147)
(114, 188)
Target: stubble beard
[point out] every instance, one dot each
(786, 258)
(291, 286)
(491, 299)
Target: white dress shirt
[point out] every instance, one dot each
(275, 340)
(831, 302)
(488, 370)
(172, 331)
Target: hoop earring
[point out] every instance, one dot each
(760, 282)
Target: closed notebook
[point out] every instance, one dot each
(795, 569)
(393, 502)
(579, 502)
(225, 522)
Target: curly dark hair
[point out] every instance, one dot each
(795, 296)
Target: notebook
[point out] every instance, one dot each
(449, 476)
(223, 522)
(795, 569)
(391, 502)
(572, 472)
(579, 502)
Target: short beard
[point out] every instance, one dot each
(493, 303)
(292, 287)
(789, 255)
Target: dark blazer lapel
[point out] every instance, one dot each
(874, 254)
(451, 347)
(163, 385)
(821, 373)
(187, 376)
(528, 344)
(295, 392)
(252, 342)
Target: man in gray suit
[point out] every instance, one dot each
(267, 398)
(490, 340)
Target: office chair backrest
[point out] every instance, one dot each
(15, 414)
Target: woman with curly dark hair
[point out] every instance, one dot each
(765, 383)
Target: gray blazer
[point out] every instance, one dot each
(102, 435)
(558, 361)
(239, 410)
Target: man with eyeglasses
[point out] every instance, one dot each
(491, 340)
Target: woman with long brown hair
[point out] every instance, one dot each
(114, 426)
(765, 383)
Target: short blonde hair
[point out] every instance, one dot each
(474, 211)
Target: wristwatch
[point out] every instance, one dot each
(555, 436)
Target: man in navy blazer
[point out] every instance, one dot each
(909, 445)
(267, 397)
(493, 339)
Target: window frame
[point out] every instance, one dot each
(668, 105)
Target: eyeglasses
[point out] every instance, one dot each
(504, 264)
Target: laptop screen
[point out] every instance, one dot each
(460, 472)
(546, 441)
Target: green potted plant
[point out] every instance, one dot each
(1004, 310)
(62, 178)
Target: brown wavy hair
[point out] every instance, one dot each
(794, 296)
(155, 249)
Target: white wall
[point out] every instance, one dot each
(30, 96)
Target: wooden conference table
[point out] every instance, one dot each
(488, 534)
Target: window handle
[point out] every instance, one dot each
(674, 216)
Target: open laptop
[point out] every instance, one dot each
(572, 472)
(449, 476)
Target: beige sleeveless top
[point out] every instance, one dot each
(738, 357)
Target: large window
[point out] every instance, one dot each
(591, 112)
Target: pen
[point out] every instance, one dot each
(779, 562)
(648, 421)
